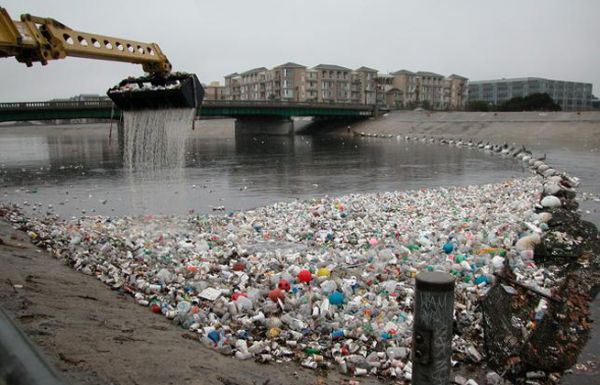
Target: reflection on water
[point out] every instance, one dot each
(24, 149)
(77, 168)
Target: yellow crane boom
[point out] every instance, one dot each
(38, 39)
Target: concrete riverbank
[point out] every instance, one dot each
(539, 129)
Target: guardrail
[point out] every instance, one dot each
(57, 105)
(285, 104)
(76, 104)
(105, 109)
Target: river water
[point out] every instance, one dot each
(79, 169)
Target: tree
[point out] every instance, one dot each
(533, 102)
(478, 105)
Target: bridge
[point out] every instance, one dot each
(251, 116)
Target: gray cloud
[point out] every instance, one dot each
(477, 39)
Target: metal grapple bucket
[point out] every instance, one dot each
(177, 90)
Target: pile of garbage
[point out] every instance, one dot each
(328, 281)
(534, 335)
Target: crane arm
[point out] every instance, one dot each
(37, 39)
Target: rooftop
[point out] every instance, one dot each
(366, 69)
(403, 72)
(432, 74)
(331, 67)
(253, 70)
(290, 65)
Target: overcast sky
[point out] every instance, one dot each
(474, 38)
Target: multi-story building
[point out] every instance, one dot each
(233, 87)
(406, 81)
(331, 83)
(214, 91)
(456, 91)
(430, 89)
(571, 96)
(365, 85)
(386, 94)
(253, 84)
(286, 82)
(312, 85)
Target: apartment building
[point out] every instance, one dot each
(406, 81)
(431, 89)
(331, 83)
(295, 82)
(456, 91)
(312, 85)
(253, 84)
(363, 89)
(214, 91)
(386, 94)
(233, 87)
(286, 82)
(571, 96)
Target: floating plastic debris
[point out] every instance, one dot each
(329, 281)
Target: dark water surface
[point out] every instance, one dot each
(77, 169)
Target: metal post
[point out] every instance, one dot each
(432, 332)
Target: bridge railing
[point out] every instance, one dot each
(84, 104)
(71, 104)
(284, 104)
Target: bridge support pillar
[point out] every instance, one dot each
(264, 126)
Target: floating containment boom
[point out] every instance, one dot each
(176, 90)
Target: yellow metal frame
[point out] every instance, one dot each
(9, 35)
(37, 39)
